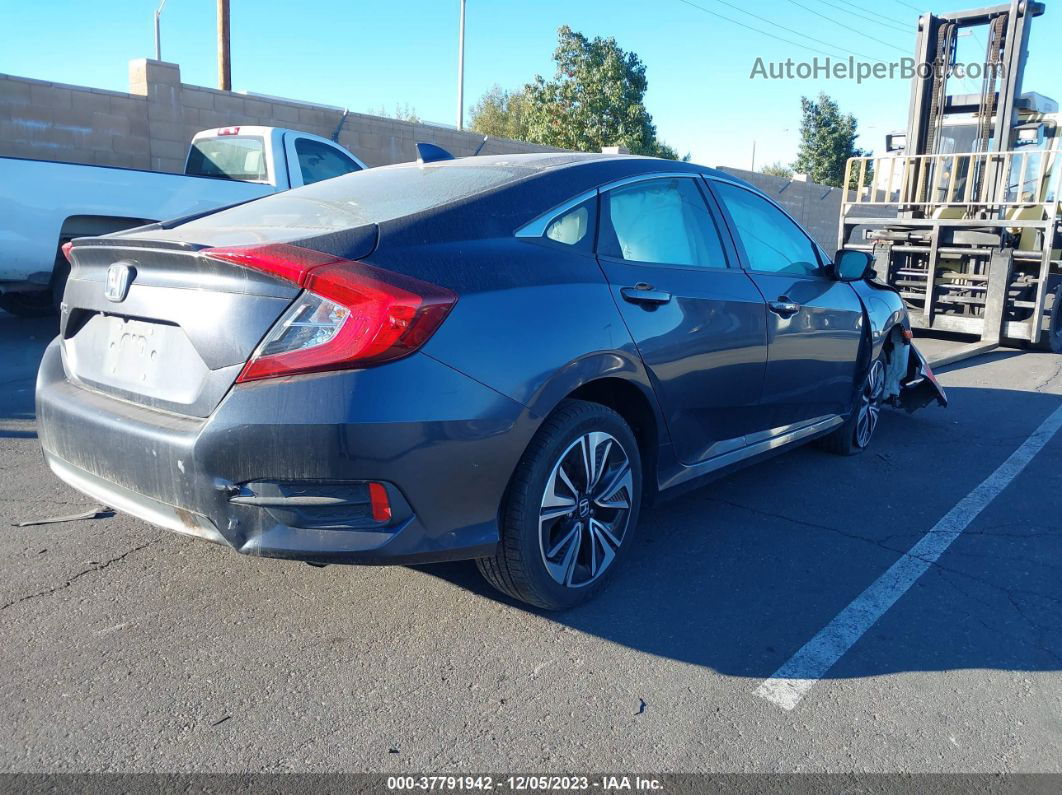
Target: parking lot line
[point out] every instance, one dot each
(790, 683)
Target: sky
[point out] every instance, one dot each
(368, 54)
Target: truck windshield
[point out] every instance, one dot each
(232, 157)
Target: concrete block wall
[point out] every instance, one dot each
(52, 121)
(151, 126)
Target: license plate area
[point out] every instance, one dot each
(138, 357)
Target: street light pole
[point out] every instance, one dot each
(158, 40)
(224, 62)
(461, 71)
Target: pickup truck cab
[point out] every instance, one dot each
(47, 203)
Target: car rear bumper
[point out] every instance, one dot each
(443, 445)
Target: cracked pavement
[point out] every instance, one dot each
(126, 648)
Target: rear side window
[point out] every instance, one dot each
(773, 242)
(661, 221)
(372, 195)
(570, 228)
(238, 157)
(318, 161)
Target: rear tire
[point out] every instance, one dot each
(571, 509)
(854, 435)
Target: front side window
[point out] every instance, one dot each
(662, 221)
(318, 161)
(772, 240)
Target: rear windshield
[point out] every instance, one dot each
(364, 197)
(239, 157)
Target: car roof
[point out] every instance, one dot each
(548, 161)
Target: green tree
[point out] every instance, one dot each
(827, 140)
(596, 98)
(500, 113)
(402, 113)
(777, 169)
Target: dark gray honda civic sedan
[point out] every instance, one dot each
(499, 358)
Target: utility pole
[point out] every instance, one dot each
(158, 40)
(461, 71)
(224, 62)
(753, 155)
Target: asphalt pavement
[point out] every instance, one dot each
(127, 648)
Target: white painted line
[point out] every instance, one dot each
(790, 683)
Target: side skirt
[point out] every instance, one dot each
(680, 478)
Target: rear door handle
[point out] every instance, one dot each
(783, 307)
(643, 293)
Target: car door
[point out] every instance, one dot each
(697, 319)
(311, 160)
(814, 322)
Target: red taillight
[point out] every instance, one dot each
(68, 251)
(381, 505)
(351, 315)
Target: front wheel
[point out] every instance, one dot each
(571, 509)
(855, 434)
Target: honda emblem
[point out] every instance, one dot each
(119, 276)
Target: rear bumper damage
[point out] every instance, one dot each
(281, 468)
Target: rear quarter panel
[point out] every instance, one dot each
(532, 322)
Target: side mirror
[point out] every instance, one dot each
(850, 266)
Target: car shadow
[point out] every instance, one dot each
(741, 573)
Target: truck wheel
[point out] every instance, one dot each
(1054, 334)
(37, 303)
(40, 303)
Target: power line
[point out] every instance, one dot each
(755, 30)
(776, 25)
(846, 27)
(913, 8)
(895, 25)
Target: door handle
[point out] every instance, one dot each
(643, 293)
(783, 307)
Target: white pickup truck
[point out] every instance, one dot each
(43, 204)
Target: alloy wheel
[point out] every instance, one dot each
(870, 404)
(585, 509)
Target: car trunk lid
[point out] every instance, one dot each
(158, 323)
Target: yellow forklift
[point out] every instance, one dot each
(961, 214)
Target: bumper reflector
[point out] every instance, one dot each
(381, 505)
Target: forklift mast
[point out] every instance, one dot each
(1004, 62)
(966, 221)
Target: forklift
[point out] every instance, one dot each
(961, 215)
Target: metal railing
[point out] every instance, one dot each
(982, 180)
